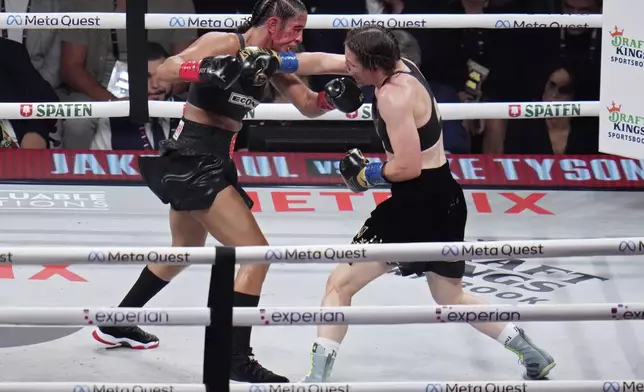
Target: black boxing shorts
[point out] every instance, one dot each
(192, 168)
(429, 208)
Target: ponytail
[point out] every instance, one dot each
(259, 10)
(263, 9)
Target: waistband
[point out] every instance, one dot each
(435, 181)
(193, 138)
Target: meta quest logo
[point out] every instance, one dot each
(523, 281)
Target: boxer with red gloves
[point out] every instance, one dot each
(194, 173)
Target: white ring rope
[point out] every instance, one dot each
(286, 111)
(231, 21)
(413, 386)
(300, 316)
(408, 252)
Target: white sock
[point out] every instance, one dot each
(509, 332)
(328, 344)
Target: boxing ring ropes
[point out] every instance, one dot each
(220, 313)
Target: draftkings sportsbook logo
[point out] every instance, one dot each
(56, 110)
(539, 110)
(628, 51)
(626, 126)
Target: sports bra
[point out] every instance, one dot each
(235, 102)
(428, 133)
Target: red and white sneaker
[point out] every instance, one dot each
(131, 337)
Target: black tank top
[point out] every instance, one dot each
(234, 103)
(428, 133)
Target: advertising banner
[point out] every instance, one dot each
(621, 115)
(507, 171)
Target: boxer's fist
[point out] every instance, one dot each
(259, 64)
(352, 167)
(220, 71)
(359, 174)
(342, 94)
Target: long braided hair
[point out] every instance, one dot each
(375, 47)
(264, 9)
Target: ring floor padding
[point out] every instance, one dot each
(131, 216)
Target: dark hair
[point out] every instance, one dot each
(570, 68)
(156, 51)
(264, 9)
(375, 47)
(408, 45)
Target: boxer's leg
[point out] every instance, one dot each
(232, 223)
(345, 281)
(449, 291)
(186, 231)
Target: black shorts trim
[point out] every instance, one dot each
(193, 168)
(402, 219)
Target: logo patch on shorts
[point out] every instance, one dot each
(361, 232)
(178, 131)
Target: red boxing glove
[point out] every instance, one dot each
(221, 71)
(342, 94)
(324, 102)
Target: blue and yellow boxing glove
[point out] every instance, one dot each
(269, 60)
(259, 64)
(359, 174)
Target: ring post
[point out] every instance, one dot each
(218, 335)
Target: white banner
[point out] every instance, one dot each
(621, 115)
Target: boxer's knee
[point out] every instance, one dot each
(341, 282)
(447, 298)
(445, 291)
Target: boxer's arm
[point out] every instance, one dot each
(395, 106)
(319, 63)
(209, 44)
(299, 94)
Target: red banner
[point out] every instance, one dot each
(601, 171)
